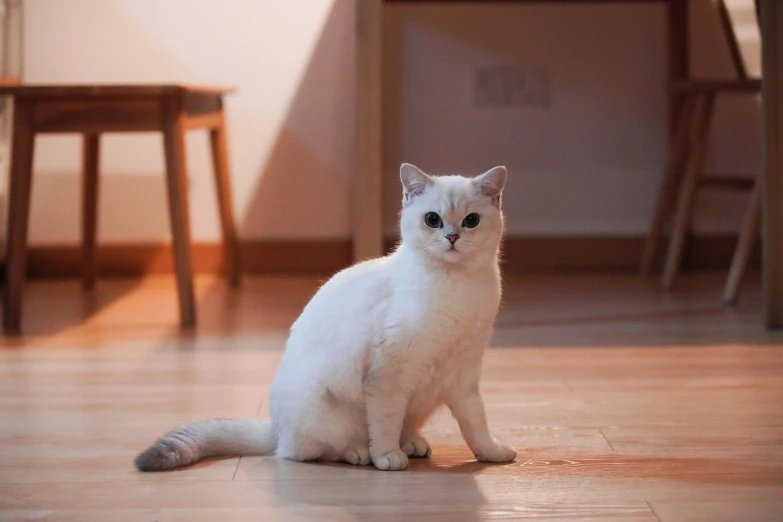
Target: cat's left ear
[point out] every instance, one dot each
(491, 184)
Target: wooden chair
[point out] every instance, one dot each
(685, 171)
(91, 110)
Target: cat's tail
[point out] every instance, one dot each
(209, 438)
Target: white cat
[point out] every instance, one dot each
(382, 345)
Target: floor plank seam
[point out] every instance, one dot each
(236, 469)
(606, 439)
(652, 509)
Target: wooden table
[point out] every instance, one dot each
(368, 197)
(91, 110)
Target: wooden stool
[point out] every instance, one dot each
(94, 109)
(684, 170)
(688, 156)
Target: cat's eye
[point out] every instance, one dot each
(471, 221)
(432, 220)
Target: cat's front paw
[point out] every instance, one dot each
(415, 446)
(391, 461)
(498, 452)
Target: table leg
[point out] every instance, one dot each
(20, 185)
(176, 181)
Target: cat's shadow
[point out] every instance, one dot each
(441, 488)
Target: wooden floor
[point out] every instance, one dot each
(625, 403)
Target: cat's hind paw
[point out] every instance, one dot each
(497, 453)
(392, 461)
(358, 456)
(415, 446)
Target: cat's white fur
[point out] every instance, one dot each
(381, 346)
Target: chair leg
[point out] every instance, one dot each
(671, 179)
(90, 162)
(219, 143)
(684, 207)
(20, 186)
(747, 241)
(176, 181)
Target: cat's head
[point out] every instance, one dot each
(452, 218)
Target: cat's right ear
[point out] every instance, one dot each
(414, 181)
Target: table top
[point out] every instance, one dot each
(525, 1)
(62, 90)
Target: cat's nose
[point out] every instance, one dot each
(452, 238)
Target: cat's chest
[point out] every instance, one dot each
(445, 310)
(460, 300)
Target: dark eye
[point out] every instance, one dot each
(471, 221)
(432, 220)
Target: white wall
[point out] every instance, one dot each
(291, 121)
(589, 164)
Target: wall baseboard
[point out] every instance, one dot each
(521, 255)
(136, 259)
(608, 253)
